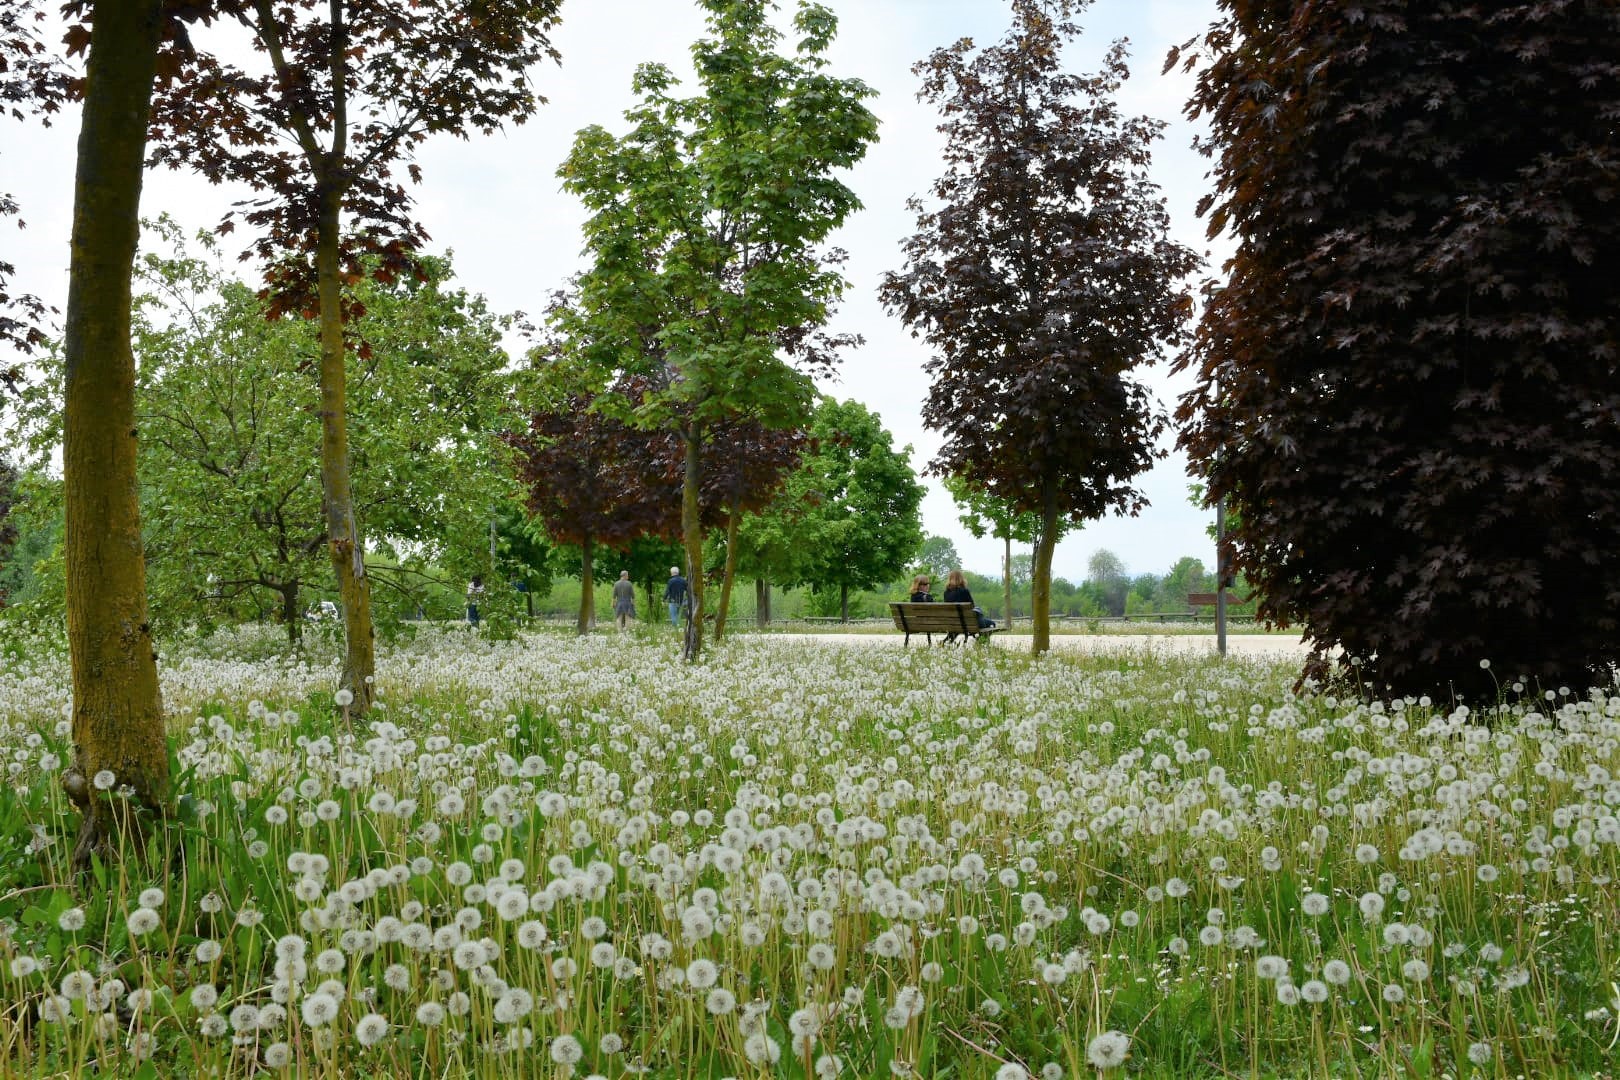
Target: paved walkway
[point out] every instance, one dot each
(1236, 644)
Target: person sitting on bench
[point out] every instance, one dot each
(919, 590)
(956, 592)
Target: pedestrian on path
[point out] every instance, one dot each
(624, 600)
(676, 594)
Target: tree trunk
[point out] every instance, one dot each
(843, 603)
(1040, 598)
(692, 540)
(1006, 584)
(342, 530)
(732, 518)
(290, 615)
(587, 594)
(762, 603)
(117, 706)
(528, 602)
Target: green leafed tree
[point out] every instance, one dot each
(937, 557)
(227, 405)
(1042, 276)
(706, 224)
(8, 528)
(321, 118)
(856, 501)
(1407, 378)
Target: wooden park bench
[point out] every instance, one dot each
(948, 619)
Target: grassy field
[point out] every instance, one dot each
(562, 857)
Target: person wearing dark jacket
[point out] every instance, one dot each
(675, 594)
(919, 590)
(956, 592)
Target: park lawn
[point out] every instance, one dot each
(561, 856)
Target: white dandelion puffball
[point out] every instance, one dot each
(566, 1050)
(1107, 1051)
(370, 1029)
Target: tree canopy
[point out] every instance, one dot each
(1406, 380)
(706, 224)
(1041, 276)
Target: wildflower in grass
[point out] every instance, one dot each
(1314, 904)
(1336, 972)
(1371, 905)
(142, 921)
(244, 1019)
(1012, 1071)
(1314, 991)
(103, 780)
(1480, 1053)
(566, 1050)
(1211, 936)
(828, 1066)
(430, 1014)
(1270, 967)
(760, 1049)
(277, 1055)
(1394, 993)
(71, 919)
(319, 1009)
(1415, 970)
(1108, 1050)
(204, 996)
(720, 1001)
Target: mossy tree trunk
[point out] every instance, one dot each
(733, 517)
(762, 603)
(692, 539)
(117, 707)
(1040, 595)
(587, 591)
(344, 542)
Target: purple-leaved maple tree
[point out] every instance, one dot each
(1042, 276)
(1406, 379)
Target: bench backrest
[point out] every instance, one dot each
(934, 618)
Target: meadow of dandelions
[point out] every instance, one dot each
(581, 858)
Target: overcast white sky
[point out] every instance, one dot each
(497, 204)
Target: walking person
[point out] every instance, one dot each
(675, 595)
(624, 600)
(475, 593)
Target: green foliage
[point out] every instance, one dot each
(227, 407)
(850, 516)
(706, 216)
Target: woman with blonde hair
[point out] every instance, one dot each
(956, 592)
(919, 590)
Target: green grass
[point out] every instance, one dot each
(947, 863)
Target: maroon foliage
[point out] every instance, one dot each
(31, 81)
(347, 92)
(593, 479)
(1407, 382)
(1044, 277)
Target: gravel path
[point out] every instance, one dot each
(1236, 644)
